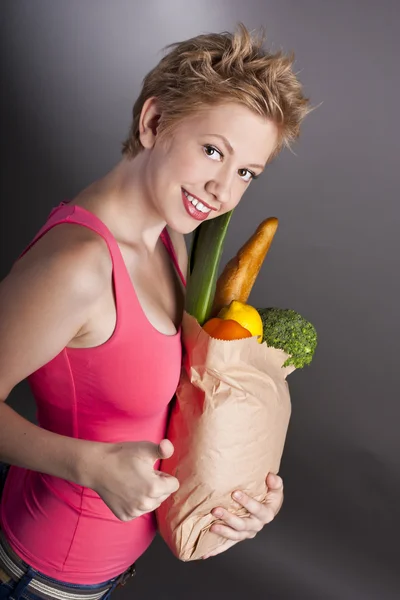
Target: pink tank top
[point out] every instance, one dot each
(118, 391)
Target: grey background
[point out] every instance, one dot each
(70, 73)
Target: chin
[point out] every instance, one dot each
(183, 225)
(180, 227)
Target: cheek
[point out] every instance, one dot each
(235, 200)
(238, 192)
(193, 170)
(180, 167)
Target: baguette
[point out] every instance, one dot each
(239, 275)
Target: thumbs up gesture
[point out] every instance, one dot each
(124, 477)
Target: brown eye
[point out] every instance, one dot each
(212, 152)
(246, 175)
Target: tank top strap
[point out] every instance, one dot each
(65, 213)
(166, 239)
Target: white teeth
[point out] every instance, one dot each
(196, 203)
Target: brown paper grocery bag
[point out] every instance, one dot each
(228, 426)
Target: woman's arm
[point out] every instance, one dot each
(44, 302)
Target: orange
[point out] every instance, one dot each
(211, 325)
(246, 315)
(225, 329)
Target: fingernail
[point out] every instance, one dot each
(237, 495)
(217, 512)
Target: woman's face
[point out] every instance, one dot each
(202, 169)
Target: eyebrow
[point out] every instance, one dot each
(231, 150)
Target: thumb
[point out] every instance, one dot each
(165, 449)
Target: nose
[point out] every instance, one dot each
(220, 187)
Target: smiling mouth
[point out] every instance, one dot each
(199, 205)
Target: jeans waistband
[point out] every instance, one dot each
(47, 588)
(15, 569)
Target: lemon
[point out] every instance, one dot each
(244, 314)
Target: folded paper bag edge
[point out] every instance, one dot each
(196, 340)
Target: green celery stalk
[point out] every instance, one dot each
(205, 255)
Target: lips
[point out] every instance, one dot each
(192, 196)
(195, 213)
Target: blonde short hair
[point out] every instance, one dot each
(217, 68)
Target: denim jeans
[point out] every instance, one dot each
(16, 590)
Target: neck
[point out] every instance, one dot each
(121, 199)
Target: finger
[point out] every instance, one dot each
(235, 522)
(253, 506)
(264, 512)
(231, 534)
(154, 452)
(165, 449)
(275, 494)
(166, 485)
(164, 496)
(274, 482)
(272, 507)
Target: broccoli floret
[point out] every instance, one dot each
(288, 330)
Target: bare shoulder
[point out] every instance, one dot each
(67, 252)
(47, 297)
(179, 243)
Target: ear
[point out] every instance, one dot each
(148, 123)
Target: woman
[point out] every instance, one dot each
(91, 313)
